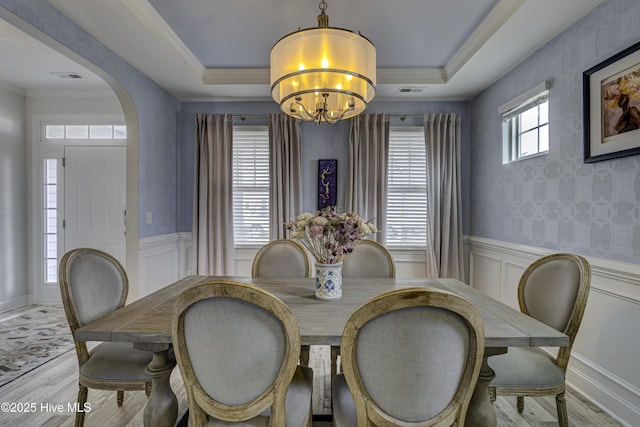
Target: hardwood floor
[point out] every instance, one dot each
(55, 383)
(48, 390)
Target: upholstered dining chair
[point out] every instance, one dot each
(93, 284)
(284, 258)
(554, 290)
(237, 349)
(281, 258)
(410, 357)
(369, 259)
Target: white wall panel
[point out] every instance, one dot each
(14, 289)
(604, 361)
(486, 274)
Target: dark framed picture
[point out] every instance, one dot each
(327, 182)
(611, 93)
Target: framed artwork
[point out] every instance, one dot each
(611, 93)
(327, 182)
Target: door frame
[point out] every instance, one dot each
(41, 150)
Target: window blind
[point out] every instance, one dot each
(250, 185)
(407, 188)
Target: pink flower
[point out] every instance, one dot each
(316, 231)
(329, 235)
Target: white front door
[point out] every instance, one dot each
(95, 199)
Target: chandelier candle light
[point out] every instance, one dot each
(324, 73)
(329, 236)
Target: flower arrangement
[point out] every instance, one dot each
(330, 235)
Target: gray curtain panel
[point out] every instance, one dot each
(213, 195)
(366, 187)
(285, 171)
(444, 210)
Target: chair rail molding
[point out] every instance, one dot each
(607, 377)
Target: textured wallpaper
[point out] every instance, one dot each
(157, 111)
(556, 201)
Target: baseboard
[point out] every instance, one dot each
(14, 303)
(605, 389)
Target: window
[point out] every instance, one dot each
(407, 188)
(50, 220)
(526, 124)
(250, 185)
(85, 132)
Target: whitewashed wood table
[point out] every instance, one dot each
(147, 323)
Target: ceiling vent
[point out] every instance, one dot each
(410, 90)
(67, 75)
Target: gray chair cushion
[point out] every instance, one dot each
(281, 259)
(525, 367)
(344, 408)
(425, 375)
(368, 259)
(97, 286)
(549, 292)
(298, 401)
(229, 339)
(116, 361)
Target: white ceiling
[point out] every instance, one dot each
(219, 49)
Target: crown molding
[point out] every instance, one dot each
(501, 12)
(10, 88)
(155, 23)
(235, 76)
(70, 93)
(410, 76)
(148, 16)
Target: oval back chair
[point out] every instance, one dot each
(553, 290)
(237, 348)
(369, 259)
(410, 357)
(93, 284)
(281, 258)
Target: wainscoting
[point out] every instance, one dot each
(603, 365)
(164, 259)
(604, 361)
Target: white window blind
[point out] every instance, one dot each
(407, 188)
(250, 185)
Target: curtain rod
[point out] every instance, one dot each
(243, 117)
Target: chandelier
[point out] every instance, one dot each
(324, 73)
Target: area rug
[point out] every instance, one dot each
(33, 336)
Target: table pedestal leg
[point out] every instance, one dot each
(481, 412)
(162, 407)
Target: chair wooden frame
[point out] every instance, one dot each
(200, 403)
(82, 352)
(261, 252)
(571, 329)
(368, 413)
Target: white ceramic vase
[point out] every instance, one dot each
(329, 282)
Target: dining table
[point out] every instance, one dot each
(146, 323)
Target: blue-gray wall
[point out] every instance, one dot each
(556, 201)
(322, 141)
(13, 199)
(156, 109)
